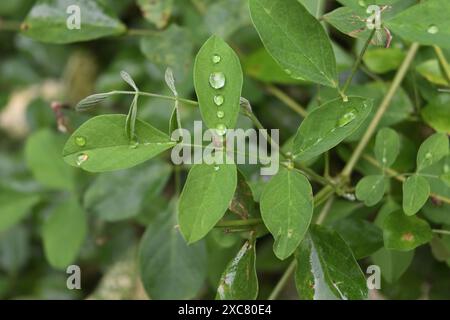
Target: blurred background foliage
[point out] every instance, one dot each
(52, 215)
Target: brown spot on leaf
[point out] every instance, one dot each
(408, 236)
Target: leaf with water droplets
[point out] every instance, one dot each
(55, 21)
(326, 268)
(239, 281)
(286, 209)
(328, 125)
(370, 189)
(108, 148)
(387, 146)
(205, 198)
(64, 232)
(426, 23)
(405, 233)
(295, 39)
(433, 149)
(169, 268)
(218, 84)
(416, 191)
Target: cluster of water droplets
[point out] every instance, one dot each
(217, 81)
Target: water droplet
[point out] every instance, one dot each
(446, 168)
(218, 99)
(362, 3)
(216, 58)
(82, 158)
(80, 141)
(220, 114)
(288, 71)
(217, 80)
(428, 155)
(221, 129)
(433, 29)
(216, 168)
(347, 118)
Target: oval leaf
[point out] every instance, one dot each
(387, 146)
(326, 268)
(370, 189)
(405, 233)
(295, 39)
(426, 23)
(205, 198)
(101, 144)
(239, 280)
(170, 269)
(286, 209)
(416, 191)
(218, 83)
(63, 233)
(63, 21)
(393, 264)
(433, 149)
(328, 125)
(14, 206)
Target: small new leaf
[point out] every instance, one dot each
(387, 146)
(433, 149)
(416, 191)
(370, 189)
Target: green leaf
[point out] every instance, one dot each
(370, 189)
(363, 237)
(431, 70)
(205, 198)
(14, 206)
(393, 264)
(445, 177)
(100, 144)
(349, 21)
(326, 268)
(218, 83)
(405, 233)
(261, 66)
(387, 146)
(156, 11)
(239, 280)
(48, 21)
(286, 209)
(437, 114)
(43, 156)
(328, 125)
(120, 195)
(416, 191)
(426, 23)
(224, 17)
(169, 48)
(382, 60)
(242, 203)
(170, 269)
(63, 233)
(433, 149)
(295, 39)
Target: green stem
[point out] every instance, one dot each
(381, 110)
(282, 282)
(357, 62)
(445, 232)
(155, 95)
(288, 101)
(443, 62)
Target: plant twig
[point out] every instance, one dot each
(382, 108)
(357, 62)
(288, 101)
(443, 63)
(445, 232)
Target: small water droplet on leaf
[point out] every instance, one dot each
(433, 29)
(221, 129)
(218, 100)
(217, 80)
(82, 158)
(216, 58)
(80, 141)
(220, 114)
(347, 118)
